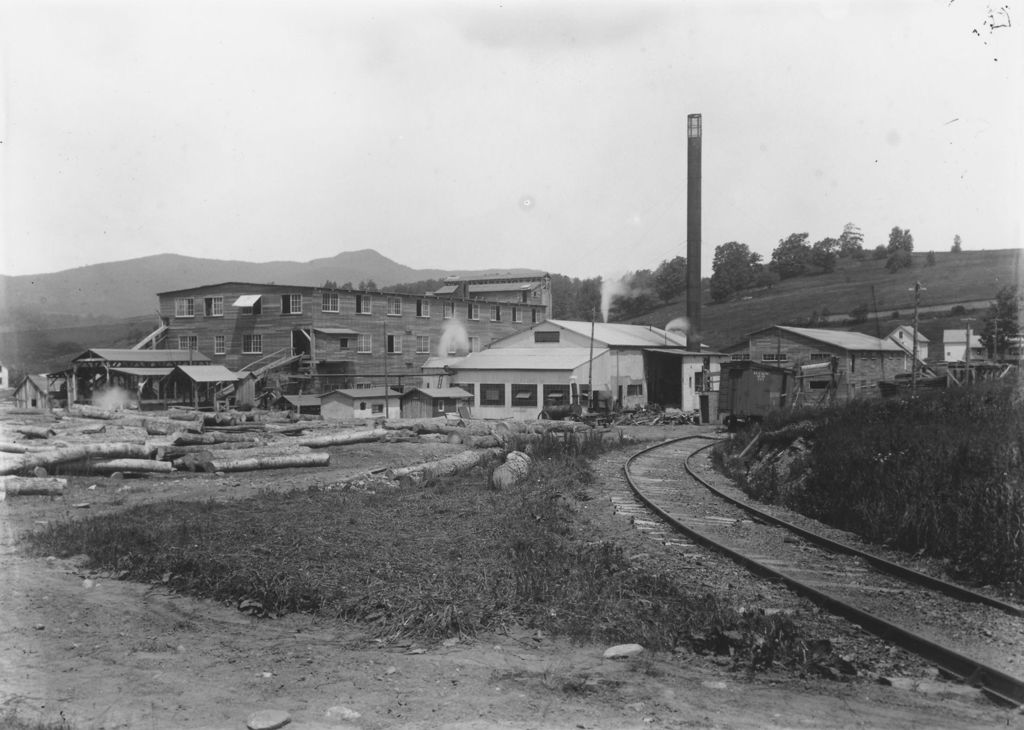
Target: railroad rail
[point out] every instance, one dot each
(841, 578)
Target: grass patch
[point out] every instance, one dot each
(452, 559)
(941, 474)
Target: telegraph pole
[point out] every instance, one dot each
(913, 365)
(967, 349)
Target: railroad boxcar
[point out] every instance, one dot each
(748, 390)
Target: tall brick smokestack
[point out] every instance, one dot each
(693, 141)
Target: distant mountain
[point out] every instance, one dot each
(128, 288)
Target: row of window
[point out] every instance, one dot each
(782, 356)
(252, 344)
(331, 302)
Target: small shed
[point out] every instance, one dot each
(432, 402)
(376, 402)
(302, 404)
(32, 392)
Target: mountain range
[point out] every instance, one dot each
(128, 288)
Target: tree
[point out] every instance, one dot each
(901, 245)
(956, 244)
(851, 242)
(670, 279)
(879, 252)
(930, 259)
(574, 298)
(732, 269)
(792, 256)
(330, 284)
(824, 253)
(1001, 322)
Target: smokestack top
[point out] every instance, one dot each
(693, 123)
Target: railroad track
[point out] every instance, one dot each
(973, 637)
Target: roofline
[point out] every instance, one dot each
(382, 292)
(792, 331)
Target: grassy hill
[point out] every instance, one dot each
(969, 279)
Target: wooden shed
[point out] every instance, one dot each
(376, 402)
(200, 385)
(32, 392)
(433, 402)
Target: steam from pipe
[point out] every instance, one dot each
(611, 287)
(454, 333)
(111, 399)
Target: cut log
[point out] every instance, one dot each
(80, 452)
(32, 485)
(267, 462)
(90, 430)
(92, 412)
(463, 461)
(12, 448)
(192, 461)
(132, 465)
(36, 432)
(418, 425)
(481, 442)
(186, 439)
(341, 438)
(514, 471)
(174, 452)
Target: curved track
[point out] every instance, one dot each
(945, 623)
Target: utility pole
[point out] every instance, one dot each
(967, 349)
(387, 400)
(913, 365)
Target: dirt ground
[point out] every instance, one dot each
(104, 653)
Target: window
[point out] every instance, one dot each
(214, 306)
(184, 307)
(822, 356)
(331, 302)
(363, 303)
(740, 356)
(252, 344)
(495, 312)
(524, 395)
(439, 405)
(451, 346)
(377, 408)
(474, 344)
(492, 394)
(774, 357)
(546, 336)
(422, 308)
(218, 345)
(447, 310)
(363, 386)
(473, 310)
(188, 342)
(394, 306)
(556, 394)
(394, 344)
(517, 314)
(526, 296)
(422, 343)
(635, 389)
(533, 316)
(343, 343)
(364, 344)
(291, 304)
(256, 308)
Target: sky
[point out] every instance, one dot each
(491, 135)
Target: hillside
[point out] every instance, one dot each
(128, 288)
(970, 279)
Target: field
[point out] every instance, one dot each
(939, 475)
(970, 279)
(192, 600)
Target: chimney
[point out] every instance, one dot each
(693, 143)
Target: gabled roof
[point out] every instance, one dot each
(528, 358)
(451, 392)
(208, 373)
(301, 401)
(142, 356)
(37, 381)
(909, 332)
(622, 335)
(842, 339)
(377, 391)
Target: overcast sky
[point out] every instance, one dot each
(549, 135)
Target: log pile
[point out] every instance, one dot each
(88, 440)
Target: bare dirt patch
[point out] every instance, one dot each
(105, 653)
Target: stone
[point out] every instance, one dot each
(268, 720)
(622, 651)
(340, 712)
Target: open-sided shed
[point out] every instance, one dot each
(200, 385)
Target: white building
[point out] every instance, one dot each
(954, 346)
(624, 365)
